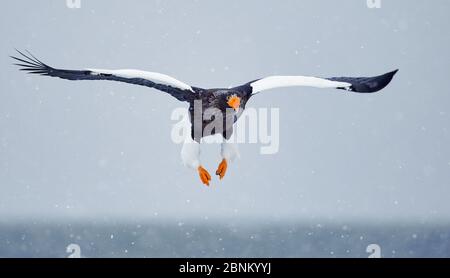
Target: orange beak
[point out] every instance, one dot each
(234, 102)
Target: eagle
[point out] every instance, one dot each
(206, 105)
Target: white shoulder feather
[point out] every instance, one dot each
(273, 82)
(151, 76)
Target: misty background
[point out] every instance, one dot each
(85, 161)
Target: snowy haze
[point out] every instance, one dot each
(102, 150)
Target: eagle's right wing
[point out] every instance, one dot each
(162, 82)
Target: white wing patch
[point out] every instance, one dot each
(151, 76)
(291, 81)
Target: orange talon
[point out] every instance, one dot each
(204, 175)
(222, 169)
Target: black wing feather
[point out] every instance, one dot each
(366, 84)
(32, 65)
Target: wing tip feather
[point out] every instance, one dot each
(31, 65)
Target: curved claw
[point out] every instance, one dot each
(204, 175)
(222, 169)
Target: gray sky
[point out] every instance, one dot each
(103, 150)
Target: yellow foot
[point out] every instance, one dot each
(222, 169)
(204, 175)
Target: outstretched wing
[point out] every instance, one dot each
(353, 84)
(162, 82)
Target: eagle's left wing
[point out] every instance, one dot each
(353, 84)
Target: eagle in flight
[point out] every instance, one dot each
(228, 103)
